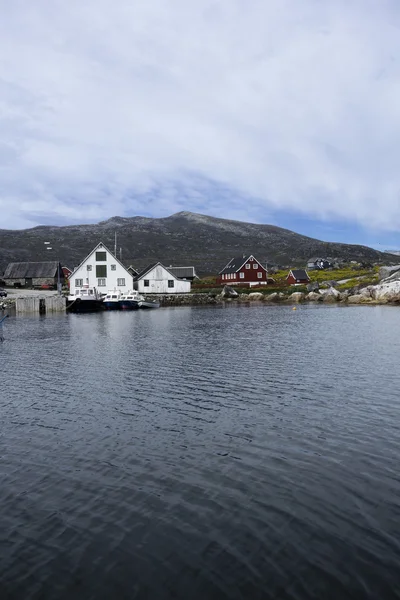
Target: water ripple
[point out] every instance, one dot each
(201, 453)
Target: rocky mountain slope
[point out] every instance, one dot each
(184, 238)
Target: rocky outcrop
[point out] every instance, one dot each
(313, 286)
(255, 296)
(314, 297)
(297, 297)
(330, 295)
(385, 272)
(228, 292)
(386, 292)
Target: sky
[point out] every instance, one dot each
(268, 111)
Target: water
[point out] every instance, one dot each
(241, 452)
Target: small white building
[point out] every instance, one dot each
(157, 279)
(101, 269)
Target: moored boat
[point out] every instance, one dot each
(111, 300)
(85, 299)
(149, 304)
(130, 300)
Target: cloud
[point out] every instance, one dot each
(228, 107)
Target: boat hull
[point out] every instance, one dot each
(110, 305)
(128, 305)
(146, 304)
(81, 306)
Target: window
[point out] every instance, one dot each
(101, 282)
(255, 265)
(241, 275)
(113, 267)
(78, 282)
(101, 256)
(170, 283)
(88, 267)
(146, 283)
(248, 266)
(101, 270)
(121, 281)
(234, 276)
(259, 275)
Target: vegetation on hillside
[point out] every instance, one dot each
(343, 278)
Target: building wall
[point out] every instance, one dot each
(158, 279)
(36, 282)
(292, 281)
(250, 275)
(114, 272)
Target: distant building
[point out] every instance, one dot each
(34, 274)
(188, 273)
(243, 270)
(297, 277)
(157, 279)
(101, 269)
(319, 263)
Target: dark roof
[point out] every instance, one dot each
(235, 264)
(143, 272)
(299, 274)
(32, 270)
(183, 272)
(132, 270)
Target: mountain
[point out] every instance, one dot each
(184, 238)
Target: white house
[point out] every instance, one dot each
(101, 269)
(157, 279)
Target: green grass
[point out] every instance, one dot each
(353, 273)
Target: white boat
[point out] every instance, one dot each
(130, 300)
(85, 299)
(149, 304)
(111, 300)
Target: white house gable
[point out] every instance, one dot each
(101, 269)
(158, 280)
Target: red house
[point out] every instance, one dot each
(243, 271)
(298, 277)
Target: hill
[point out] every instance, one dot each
(182, 239)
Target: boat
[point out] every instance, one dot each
(149, 304)
(130, 300)
(85, 299)
(112, 299)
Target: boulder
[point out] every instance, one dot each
(297, 297)
(344, 295)
(256, 296)
(366, 292)
(314, 297)
(385, 272)
(386, 292)
(358, 299)
(274, 297)
(313, 286)
(393, 277)
(228, 292)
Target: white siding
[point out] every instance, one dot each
(111, 280)
(158, 279)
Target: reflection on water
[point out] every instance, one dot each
(201, 453)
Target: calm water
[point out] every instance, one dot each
(245, 452)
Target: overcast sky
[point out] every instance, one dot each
(271, 111)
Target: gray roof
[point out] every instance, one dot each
(299, 274)
(235, 264)
(144, 271)
(183, 272)
(32, 270)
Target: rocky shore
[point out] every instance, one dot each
(387, 291)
